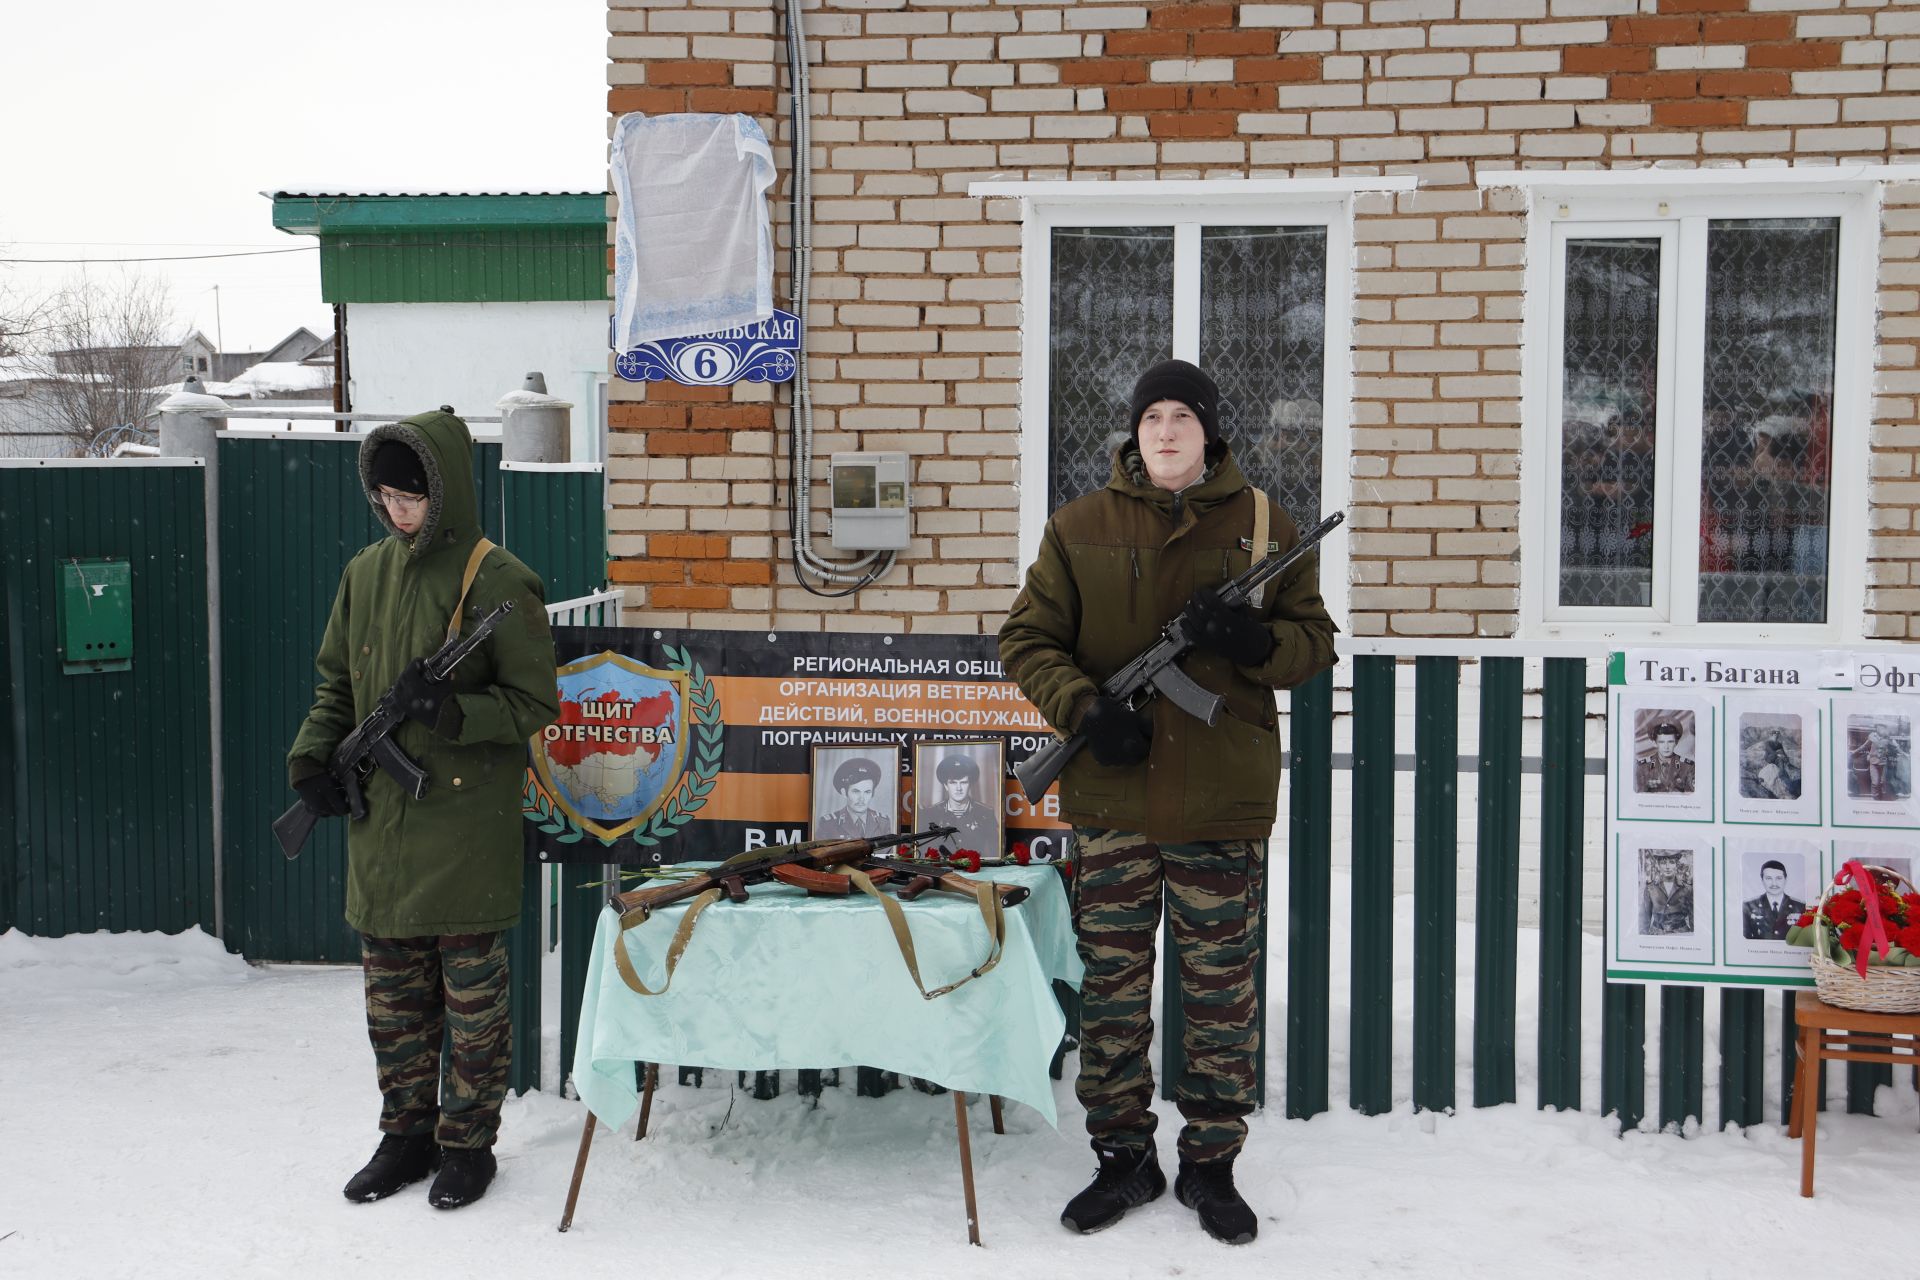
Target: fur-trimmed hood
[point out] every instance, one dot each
(445, 449)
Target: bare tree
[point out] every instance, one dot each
(102, 354)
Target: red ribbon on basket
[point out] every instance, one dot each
(1876, 925)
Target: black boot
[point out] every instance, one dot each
(400, 1161)
(1208, 1189)
(465, 1174)
(1127, 1179)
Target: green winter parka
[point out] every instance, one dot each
(449, 863)
(1114, 567)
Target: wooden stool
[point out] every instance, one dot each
(1828, 1032)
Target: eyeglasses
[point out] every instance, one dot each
(401, 501)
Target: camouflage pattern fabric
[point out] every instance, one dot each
(418, 989)
(1213, 906)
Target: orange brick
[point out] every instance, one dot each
(752, 102)
(734, 573)
(1148, 97)
(1214, 44)
(739, 417)
(1194, 124)
(1684, 115)
(1151, 44)
(653, 102)
(1104, 71)
(689, 73)
(675, 391)
(1235, 97)
(1796, 57)
(629, 413)
(684, 444)
(646, 570)
(707, 598)
(1190, 17)
(1659, 84)
(689, 546)
(1749, 28)
(1276, 69)
(1605, 59)
(1703, 6)
(1745, 84)
(1656, 31)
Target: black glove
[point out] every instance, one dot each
(419, 697)
(1115, 733)
(1233, 633)
(323, 795)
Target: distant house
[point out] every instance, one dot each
(302, 346)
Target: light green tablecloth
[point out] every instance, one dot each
(787, 981)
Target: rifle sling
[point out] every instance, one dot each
(992, 912)
(480, 550)
(1260, 519)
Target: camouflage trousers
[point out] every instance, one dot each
(418, 991)
(1212, 891)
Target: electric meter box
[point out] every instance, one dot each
(870, 501)
(96, 616)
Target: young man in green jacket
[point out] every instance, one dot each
(432, 883)
(1159, 799)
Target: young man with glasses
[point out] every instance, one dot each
(433, 883)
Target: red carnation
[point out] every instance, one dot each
(966, 859)
(1022, 853)
(1908, 937)
(1846, 908)
(1851, 935)
(1806, 918)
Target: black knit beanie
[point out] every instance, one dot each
(397, 466)
(1178, 380)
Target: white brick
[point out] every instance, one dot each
(1822, 26)
(863, 50)
(1381, 151)
(1340, 13)
(1308, 41)
(1109, 17)
(1567, 145)
(1461, 119)
(1863, 52)
(1498, 35)
(1296, 123)
(1428, 64)
(1575, 88)
(1384, 11)
(1022, 101)
(1861, 139)
(1533, 116)
(1592, 8)
(1302, 151)
(1363, 39)
(1499, 89)
(733, 48)
(1074, 126)
(953, 50)
(1016, 47)
(1276, 15)
(1415, 92)
(1345, 67)
(1204, 152)
(1700, 57)
(1511, 10)
(1320, 95)
(1344, 122)
(1191, 70)
(1815, 82)
(906, 75)
(1499, 64)
(641, 48)
(1882, 108)
(1564, 33)
(985, 75)
(1747, 142)
(951, 102)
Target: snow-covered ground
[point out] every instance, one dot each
(168, 1111)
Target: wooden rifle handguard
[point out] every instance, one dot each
(824, 883)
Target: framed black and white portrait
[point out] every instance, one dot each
(959, 785)
(856, 792)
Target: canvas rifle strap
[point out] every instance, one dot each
(1260, 518)
(480, 550)
(675, 948)
(992, 912)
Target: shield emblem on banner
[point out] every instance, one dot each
(620, 745)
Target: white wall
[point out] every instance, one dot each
(414, 356)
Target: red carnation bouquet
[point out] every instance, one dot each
(970, 859)
(1864, 919)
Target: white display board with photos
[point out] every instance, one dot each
(1738, 782)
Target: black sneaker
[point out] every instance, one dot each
(1126, 1180)
(465, 1174)
(401, 1160)
(1208, 1189)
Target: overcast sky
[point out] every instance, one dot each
(134, 129)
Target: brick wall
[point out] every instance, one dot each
(916, 319)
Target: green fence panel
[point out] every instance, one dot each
(1371, 1014)
(1682, 1055)
(524, 954)
(106, 805)
(1623, 1053)
(1562, 804)
(556, 522)
(1497, 881)
(580, 904)
(1862, 1079)
(292, 513)
(1436, 877)
(1309, 894)
(1743, 1060)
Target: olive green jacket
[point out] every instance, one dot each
(449, 863)
(1114, 567)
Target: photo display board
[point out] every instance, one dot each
(689, 745)
(1738, 782)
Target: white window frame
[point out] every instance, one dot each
(1187, 206)
(1679, 205)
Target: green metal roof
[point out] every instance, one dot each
(426, 247)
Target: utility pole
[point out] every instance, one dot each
(219, 339)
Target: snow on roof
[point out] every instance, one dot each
(325, 192)
(271, 377)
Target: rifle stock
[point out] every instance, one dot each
(1153, 670)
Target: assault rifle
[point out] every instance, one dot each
(1155, 670)
(811, 866)
(371, 744)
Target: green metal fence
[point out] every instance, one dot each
(106, 804)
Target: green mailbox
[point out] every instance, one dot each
(96, 616)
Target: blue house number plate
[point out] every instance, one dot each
(762, 352)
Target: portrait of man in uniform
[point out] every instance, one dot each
(1768, 914)
(958, 784)
(1878, 757)
(1663, 767)
(1666, 892)
(855, 792)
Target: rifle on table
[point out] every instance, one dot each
(833, 867)
(371, 744)
(1155, 670)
